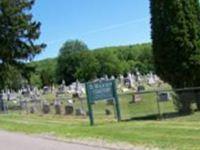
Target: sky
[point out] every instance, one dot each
(98, 23)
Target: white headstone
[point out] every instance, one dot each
(112, 77)
(151, 79)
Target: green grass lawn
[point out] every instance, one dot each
(180, 133)
(172, 133)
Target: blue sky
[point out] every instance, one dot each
(98, 23)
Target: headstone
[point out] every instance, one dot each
(33, 98)
(25, 92)
(57, 105)
(133, 78)
(112, 77)
(70, 102)
(106, 77)
(63, 82)
(110, 102)
(8, 95)
(156, 78)
(140, 88)
(151, 79)
(82, 90)
(136, 98)
(124, 90)
(75, 95)
(23, 104)
(130, 79)
(127, 82)
(61, 90)
(107, 112)
(164, 96)
(46, 89)
(77, 86)
(46, 108)
(80, 112)
(69, 109)
(4, 96)
(58, 109)
(13, 96)
(32, 110)
(121, 79)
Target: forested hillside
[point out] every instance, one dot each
(44, 73)
(90, 64)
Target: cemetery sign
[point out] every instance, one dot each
(101, 90)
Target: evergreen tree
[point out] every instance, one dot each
(176, 43)
(18, 33)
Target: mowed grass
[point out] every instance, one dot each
(172, 133)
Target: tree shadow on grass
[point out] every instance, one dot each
(151, 117)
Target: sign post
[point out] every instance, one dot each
(90, 111)
(101, 90)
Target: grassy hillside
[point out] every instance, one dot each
(133, 47)
(45, 63)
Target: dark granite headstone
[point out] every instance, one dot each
(107, 112)
(32, 110)
(69, 109)
(58, 109)
(110, 102)
(46, 108)
(140, 88)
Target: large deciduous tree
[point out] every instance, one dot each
(176, 43)
(18, 34)
(69, 60)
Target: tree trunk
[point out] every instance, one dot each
(184, 101)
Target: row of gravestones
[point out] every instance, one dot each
(69, 110)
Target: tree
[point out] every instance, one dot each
(88, 68)
(44, 73)
(176, 43)
(137, 57)
(36, 81)
(69, 60)
(10, 77)
(18, 33)
(109, 64)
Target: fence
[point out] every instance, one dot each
(143, 105)
(147, 105)
(159, 104)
